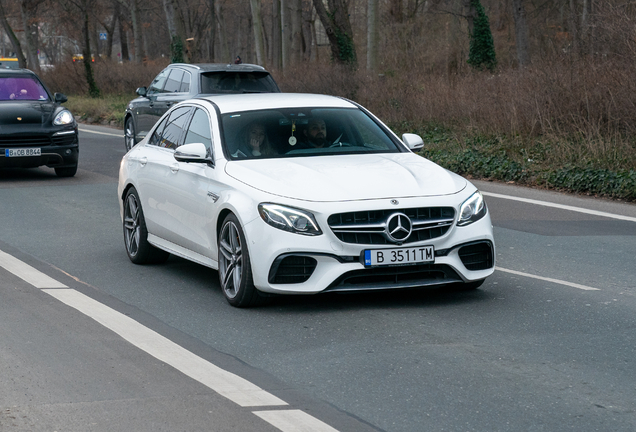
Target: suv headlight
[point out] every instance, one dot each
(64, 117)
(473, 209)
(289, 219)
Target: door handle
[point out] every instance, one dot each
(143, 161)
(174, 168)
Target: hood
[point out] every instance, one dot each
(347, 177)
(30, 112)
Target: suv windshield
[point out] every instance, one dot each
(237, 82)
(21, 88)
(293, 132)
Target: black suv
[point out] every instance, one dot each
(179, 82)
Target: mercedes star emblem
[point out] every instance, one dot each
(398, 227)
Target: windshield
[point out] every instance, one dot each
(21, 88)
(237, 82)
(294, 132)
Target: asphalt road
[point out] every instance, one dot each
(546, 344)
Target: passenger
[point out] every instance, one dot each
(254, 142)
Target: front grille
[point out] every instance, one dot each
(292, 269)
(477, 256)
(24, 141)
(395, 277)
(368, 227)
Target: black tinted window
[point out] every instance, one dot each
(237, 82)
(173, 84)
(174, 128)
(199, 131)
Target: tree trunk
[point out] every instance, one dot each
(212, 34)
(134, 16)
(123, 38)
(521, 32)
(296, 21)
(285, 33)
(372, 35)
(257, 26)
(93, 90)
(338, 29)
(28, 10)
(275, 45)
(225, 53)
(15, 42)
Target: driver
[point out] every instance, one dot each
(315, 134)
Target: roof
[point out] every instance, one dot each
(221, 67)
(228, 103)
(5, 72)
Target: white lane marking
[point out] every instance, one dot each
(294, 421)
(100, 133)
(28, 273)
(556, 281)
(562, 206)
(233, 387)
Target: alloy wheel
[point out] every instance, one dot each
(230, 259)
(132, 228)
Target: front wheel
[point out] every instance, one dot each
(136, 234)
(235, 272)
(129, 134)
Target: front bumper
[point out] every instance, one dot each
(290, 263)
(60, 148)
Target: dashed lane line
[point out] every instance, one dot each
(227, 384)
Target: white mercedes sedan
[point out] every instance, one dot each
(299, 194)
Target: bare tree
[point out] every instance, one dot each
(372, 35)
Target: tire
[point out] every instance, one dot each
(235, 271)
(66, 171)
(129, 134)
(136, 234)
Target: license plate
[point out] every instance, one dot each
(412, 255)
(20, 152)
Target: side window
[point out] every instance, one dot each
(174, 81)
(157, 84)
(200, 131)
(155, 138)
(185, 82)
(174, 128)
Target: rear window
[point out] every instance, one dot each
(237, 82)
(21, 88)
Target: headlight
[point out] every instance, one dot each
(289, 219)
(64, 117)
(473, 209)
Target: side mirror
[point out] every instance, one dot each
(195, 152)
(141, 91)
(60, 97)
(413, 141)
